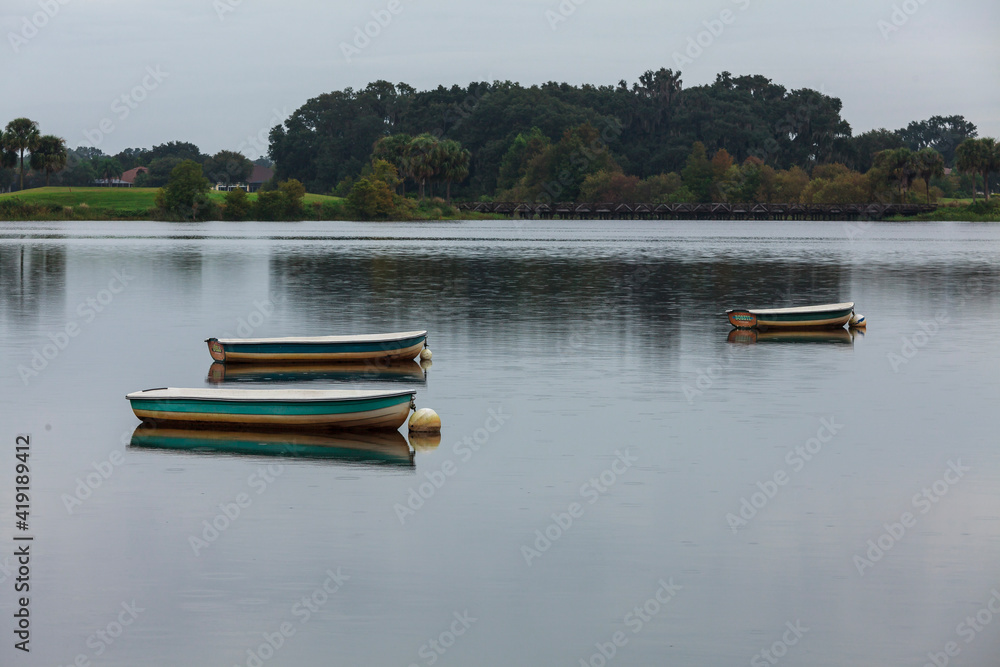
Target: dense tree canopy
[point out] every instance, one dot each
(655, 122)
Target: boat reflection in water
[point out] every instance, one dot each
(408, 372)
(831, 336)
(363, 448)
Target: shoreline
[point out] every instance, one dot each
(972, 219)
(57, 204)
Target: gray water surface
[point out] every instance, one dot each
(617, 482)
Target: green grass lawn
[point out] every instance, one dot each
(121, 199)
(116, 199)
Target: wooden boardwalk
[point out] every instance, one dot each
(569, 211)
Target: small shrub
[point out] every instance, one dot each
(983, 207)
(237, 205)
(270, 205)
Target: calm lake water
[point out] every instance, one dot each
(617, 482)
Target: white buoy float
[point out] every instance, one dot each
(426, 355)
(858, 321)
(425, 420)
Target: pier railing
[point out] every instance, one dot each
(610, 211)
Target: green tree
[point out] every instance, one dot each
(270, 205)
(384, 170)
(181, 150)
(159, 172)
(978, 156)
(228, 168)
(8, 160)
(558, 173)
(423, 159)
(658, 189)
(22, 135)
(929, 164)
(898, 167)
(238, 205)
(609, 186)
(394, 150)
(725, 181)
(109, 169)
(867, 145)
(131, 158)
(50, 155)
(942, 133)
(186, 194)
(697, 173)
(454, 164)
(371, 199)
(80, 169)
(523, 149)
(294, 193)
(789, 185)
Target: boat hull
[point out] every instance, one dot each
(792, 318)
(302, 351)
(375, 412)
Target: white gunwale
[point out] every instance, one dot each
(792, 311)
(266, 395)
(372, 338)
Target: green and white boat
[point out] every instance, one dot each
(831, 315)
(385, 347)
(304, 409)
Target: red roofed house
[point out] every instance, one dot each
(130, 175)
(258, 177)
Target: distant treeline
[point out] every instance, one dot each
(650, 129)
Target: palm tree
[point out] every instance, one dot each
(22, 135)
(967, 160)
(454, 164)
(421, 159)
(8, 158)
(109, 169)
(978, 156)
(50, 155)
(900, 165)
(991, 162)
(929, 164)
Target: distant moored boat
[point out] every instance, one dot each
(388, 347)
(826, 316)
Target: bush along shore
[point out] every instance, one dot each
(55, 204)
(978, 211)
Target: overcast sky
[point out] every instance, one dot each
(219, 72)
